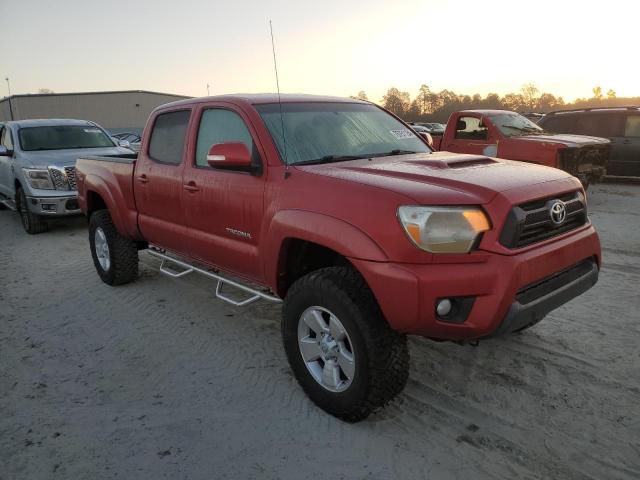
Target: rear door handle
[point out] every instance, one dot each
(191, 187)
(143, 178)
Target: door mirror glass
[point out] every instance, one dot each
(234, 155)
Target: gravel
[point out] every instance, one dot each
(157, 379)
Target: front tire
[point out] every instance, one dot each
(31, 222)
(341, 350)
(114, 256)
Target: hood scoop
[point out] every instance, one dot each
(465, 161)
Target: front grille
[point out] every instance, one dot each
(71, 177)
(584, 159)
(531, 222)
(58, 179)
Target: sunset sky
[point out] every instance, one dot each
(329, 47)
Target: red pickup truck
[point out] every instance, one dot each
(337, 207)
(509, 135)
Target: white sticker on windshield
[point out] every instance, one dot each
(402, 133)
(91, 130)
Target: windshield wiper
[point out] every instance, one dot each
(331, 159)
(395, 151)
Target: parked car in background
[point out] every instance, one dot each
(428, 127)
(534, 116)
(620, 125)
(37, 166)
(339, 209)
(509, 135)
(128, 140)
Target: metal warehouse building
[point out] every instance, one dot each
(123, 111)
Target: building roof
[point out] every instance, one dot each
(110, 92)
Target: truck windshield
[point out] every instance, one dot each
(512, 124)
(329, 132)
(62, 137)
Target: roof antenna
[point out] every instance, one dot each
(284, 139)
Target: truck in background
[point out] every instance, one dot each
(37, 166)
(509, 135)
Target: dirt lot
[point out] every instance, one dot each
(159, 380)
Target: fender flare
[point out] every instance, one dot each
(94, 183)
(327, 231)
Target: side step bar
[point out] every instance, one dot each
(10, 204)
(188, 268)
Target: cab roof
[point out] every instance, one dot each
(262, 98)
(48, 122)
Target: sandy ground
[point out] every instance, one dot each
(158, 380)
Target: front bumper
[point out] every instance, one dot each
(500, 285)
(58, 206)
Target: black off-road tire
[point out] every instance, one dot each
(31, 222)
(381, 354)
(123, 252)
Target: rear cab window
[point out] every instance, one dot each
(471, 128)
(168, 137)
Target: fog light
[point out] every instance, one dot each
(444, 307)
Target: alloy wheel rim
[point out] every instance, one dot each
(102, 249)
(326, 349)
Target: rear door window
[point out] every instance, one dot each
(632, 126)
(6, 138)
(168, 137)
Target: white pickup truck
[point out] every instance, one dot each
(37, 166)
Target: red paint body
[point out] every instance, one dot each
(349, 207)
(543, 149)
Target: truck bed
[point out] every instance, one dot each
(108, 181)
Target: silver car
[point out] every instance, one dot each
(37, 166)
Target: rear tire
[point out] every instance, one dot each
(32, 223)
(380, 357)
(116, 257)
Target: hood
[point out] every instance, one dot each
(66, 158)
(442, 178)
(573, 141)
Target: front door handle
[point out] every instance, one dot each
(143, 178)
(191, 186)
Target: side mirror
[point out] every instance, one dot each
(427, 136)
(461, 125)
(229, 155)
(5, 152)
(124, 143)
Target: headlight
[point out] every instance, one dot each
(39, 179)
(443, 229)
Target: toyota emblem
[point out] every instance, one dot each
(558, 212)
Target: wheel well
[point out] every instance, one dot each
(299, 257)
(94, 202)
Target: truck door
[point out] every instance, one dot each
(6, 162)
(158, 181)
(471, 135)
(224, 208)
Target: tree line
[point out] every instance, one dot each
(438, 106)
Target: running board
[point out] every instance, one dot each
(10, 204)
(189, 268)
